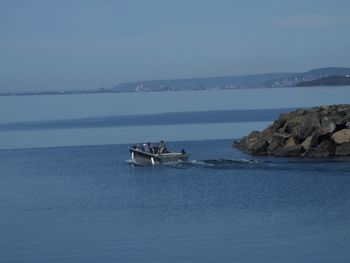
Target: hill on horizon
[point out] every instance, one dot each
(269, 80)
(327, 81)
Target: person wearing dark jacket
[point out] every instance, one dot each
(161, 147)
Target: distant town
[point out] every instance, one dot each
(331, 76)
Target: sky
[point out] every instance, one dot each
(64, 45)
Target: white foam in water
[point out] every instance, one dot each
(224, 162)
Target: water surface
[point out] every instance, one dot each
(87, 204)
(94, 119)
(69, 194)
(55, 107)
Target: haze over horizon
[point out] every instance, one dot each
(50, 45)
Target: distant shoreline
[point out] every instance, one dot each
(257, 81)
(72, 92)
(89, 92)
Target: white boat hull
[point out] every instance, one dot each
(144, 158)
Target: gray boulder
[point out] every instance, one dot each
(325, 149)
(259, 147)
(343, 149)
(328, 125)
(276, 143)
(291, 151)
(310, 141)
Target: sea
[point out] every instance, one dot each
(69, 193)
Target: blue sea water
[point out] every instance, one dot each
(69, 194)
(74, 120)
(88, 204)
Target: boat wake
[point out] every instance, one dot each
(212, 163)
(227, 163)
(321, 166)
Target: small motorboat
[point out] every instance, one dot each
(151, 156)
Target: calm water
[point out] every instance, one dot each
(37, 108)
(72, 120)
(86, 203)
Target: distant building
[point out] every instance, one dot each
(139, 87)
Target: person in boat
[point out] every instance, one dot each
(161, 147)
(151, 149)
(141, 147)
(148, 148)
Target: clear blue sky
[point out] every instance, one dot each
(48, 45)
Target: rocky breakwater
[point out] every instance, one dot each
(317, 132)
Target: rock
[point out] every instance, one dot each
(296, 121)
(327, 125)
(311, 124)
(325, 149)
(277, 124)
(283, 128)
(341, 136)
(322, 137)
(316, 132)
(336, 118)
(259, 147)
(291, 141)
(292, 151)
(277, 142)
(310, 141)
(304, 126)
(248, 141)
(267, 134)
(347, 118)
(343, 149)
(253, 134)
(283, 135)
(315, 153)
